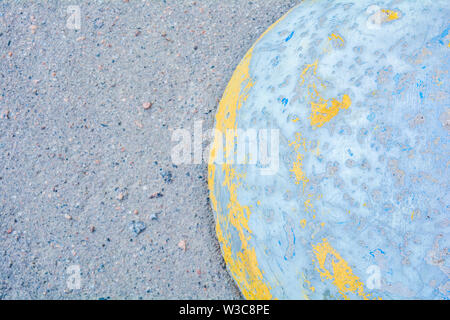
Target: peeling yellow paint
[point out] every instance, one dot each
(339, 271)
(243, 264)
(297, 165)
(310, 287)
(309, 68)
(322, 110)
(391, 15)
(308, 205)
(244, 268)
(303, 223)
(337, 39)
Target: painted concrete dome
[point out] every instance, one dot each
(354, 98)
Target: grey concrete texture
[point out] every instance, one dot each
(86, 176)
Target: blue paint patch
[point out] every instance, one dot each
(284, 101)
(275, 61)
(406, 148)
(379, 250)
(397, 83)
(350, 152)
(371, 116)
(420, 84)
(290, 36)
(440, 38)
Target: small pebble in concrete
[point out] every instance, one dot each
(156, 195)
(137, 227)
(154, 216)
(147, 105)
(182, 245)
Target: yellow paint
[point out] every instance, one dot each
(309, 67)
(244, 268)
(295, 120)
(303, 223)
(308, 205)
(322, 110)
(390, 15)
(242, 265)
(312, 288)
(337, 39)
(340, 272)
(297, 166)
(412, 216)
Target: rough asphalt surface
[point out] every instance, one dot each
(86, 176)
